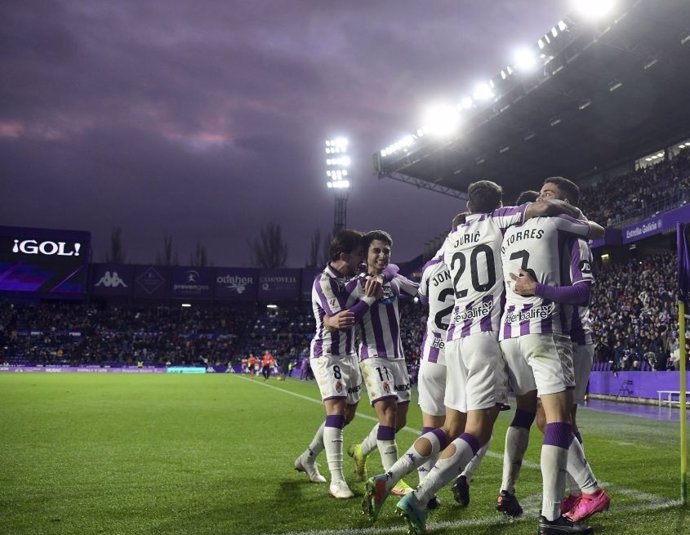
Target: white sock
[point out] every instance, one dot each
(425, 468)
(517, 440)
(333, 443)
(369, 443)
(474, 463)
(579, 470)
(554, 460)
(412, 459)
(388, 450)
(444, 471)
(316, 445)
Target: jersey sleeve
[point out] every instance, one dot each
(509, 215)
(570, 225)
(406, 285)
(328, 295)
(581, 262)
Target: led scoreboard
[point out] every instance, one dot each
(48, 263)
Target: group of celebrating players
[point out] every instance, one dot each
(508, 296)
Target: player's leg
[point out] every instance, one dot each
(550, 357)
(521, 381)
(586, 497)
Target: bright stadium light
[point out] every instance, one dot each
(525, 60)
(338, 180)
(594, 9)
(482, 91)
(441, 120)
(466, 103)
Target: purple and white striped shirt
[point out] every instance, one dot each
(540, 246)
(472, 254)
(581, 325)
(436, 289)
(331, 293)
(379, 327)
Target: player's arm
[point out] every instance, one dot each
(575, 294)
(579, 292)
(342, 319)
(407, 286)
(555, 207)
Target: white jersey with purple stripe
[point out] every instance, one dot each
(330, 294)
(473, 255)
(544, 247)
(436, 289)
(379, 327)
(581, 325)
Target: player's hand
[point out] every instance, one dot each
(524, 283)
(373, 288)
(341, 321)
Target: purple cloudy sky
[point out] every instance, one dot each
(206, 119)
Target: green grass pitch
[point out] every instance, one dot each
(212, 455)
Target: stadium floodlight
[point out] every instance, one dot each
(483, 92)
(337, 174)
(525, 60)
(186, 305)
(594, 9)
(441, 120)
(466, 103)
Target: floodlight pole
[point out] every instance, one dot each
(340, 215)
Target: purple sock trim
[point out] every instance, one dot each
(558, 434)
(441, 436)
(578, 436)
(335, 420)
(472, 441)
(385, 432)
(523, 419)
(427, 430)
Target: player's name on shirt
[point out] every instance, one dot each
(525, 234)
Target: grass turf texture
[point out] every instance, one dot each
(213, 454)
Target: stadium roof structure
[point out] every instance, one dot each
(604, 95)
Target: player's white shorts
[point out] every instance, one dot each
(583, 356)
(338, 377)
(541, 362)
(476, 378)
(431, 385)
(386, 378)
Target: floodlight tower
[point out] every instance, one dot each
(337, 173)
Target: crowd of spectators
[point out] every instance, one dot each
(634, 314)
(82, 334)
(641, 193)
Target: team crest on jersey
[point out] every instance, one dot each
(339, 387)
(332, 302)
(388, 295)
(386, 388)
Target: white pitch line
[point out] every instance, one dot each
(653, 502)
(477, 522)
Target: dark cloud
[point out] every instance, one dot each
(205, 120)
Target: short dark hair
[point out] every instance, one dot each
(372, 235)
(484, 196)
(344, 241)
(571, 192)
(527, 196)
